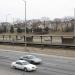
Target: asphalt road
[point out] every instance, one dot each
(51, 65)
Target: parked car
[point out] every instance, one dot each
(32, 59)
(23, 65)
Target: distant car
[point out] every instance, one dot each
(24, 65)
(32, 59)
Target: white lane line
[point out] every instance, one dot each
(62, 57)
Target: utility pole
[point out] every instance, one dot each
(25, 24)
(74, 22)
(6, 20)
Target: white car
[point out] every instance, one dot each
(24, 65)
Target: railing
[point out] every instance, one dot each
(56, 40)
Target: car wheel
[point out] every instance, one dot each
(32, 62)
(25, 69)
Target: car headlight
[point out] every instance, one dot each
(29, 68)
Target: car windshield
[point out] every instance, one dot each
(31, 57)
(25, 63)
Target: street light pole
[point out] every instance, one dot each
(25, 24)
(7, 17)
(6, 20)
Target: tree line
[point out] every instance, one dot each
(38, 26)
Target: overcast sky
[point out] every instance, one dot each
(14, 9)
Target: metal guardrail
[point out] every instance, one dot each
(34, 43)
(8, 39)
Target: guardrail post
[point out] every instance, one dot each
(32, 38)
(62, 39)
(3, 37)
(51, 40)
(24, 38)
(9, 37)
(16, 37)
(41, 39)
